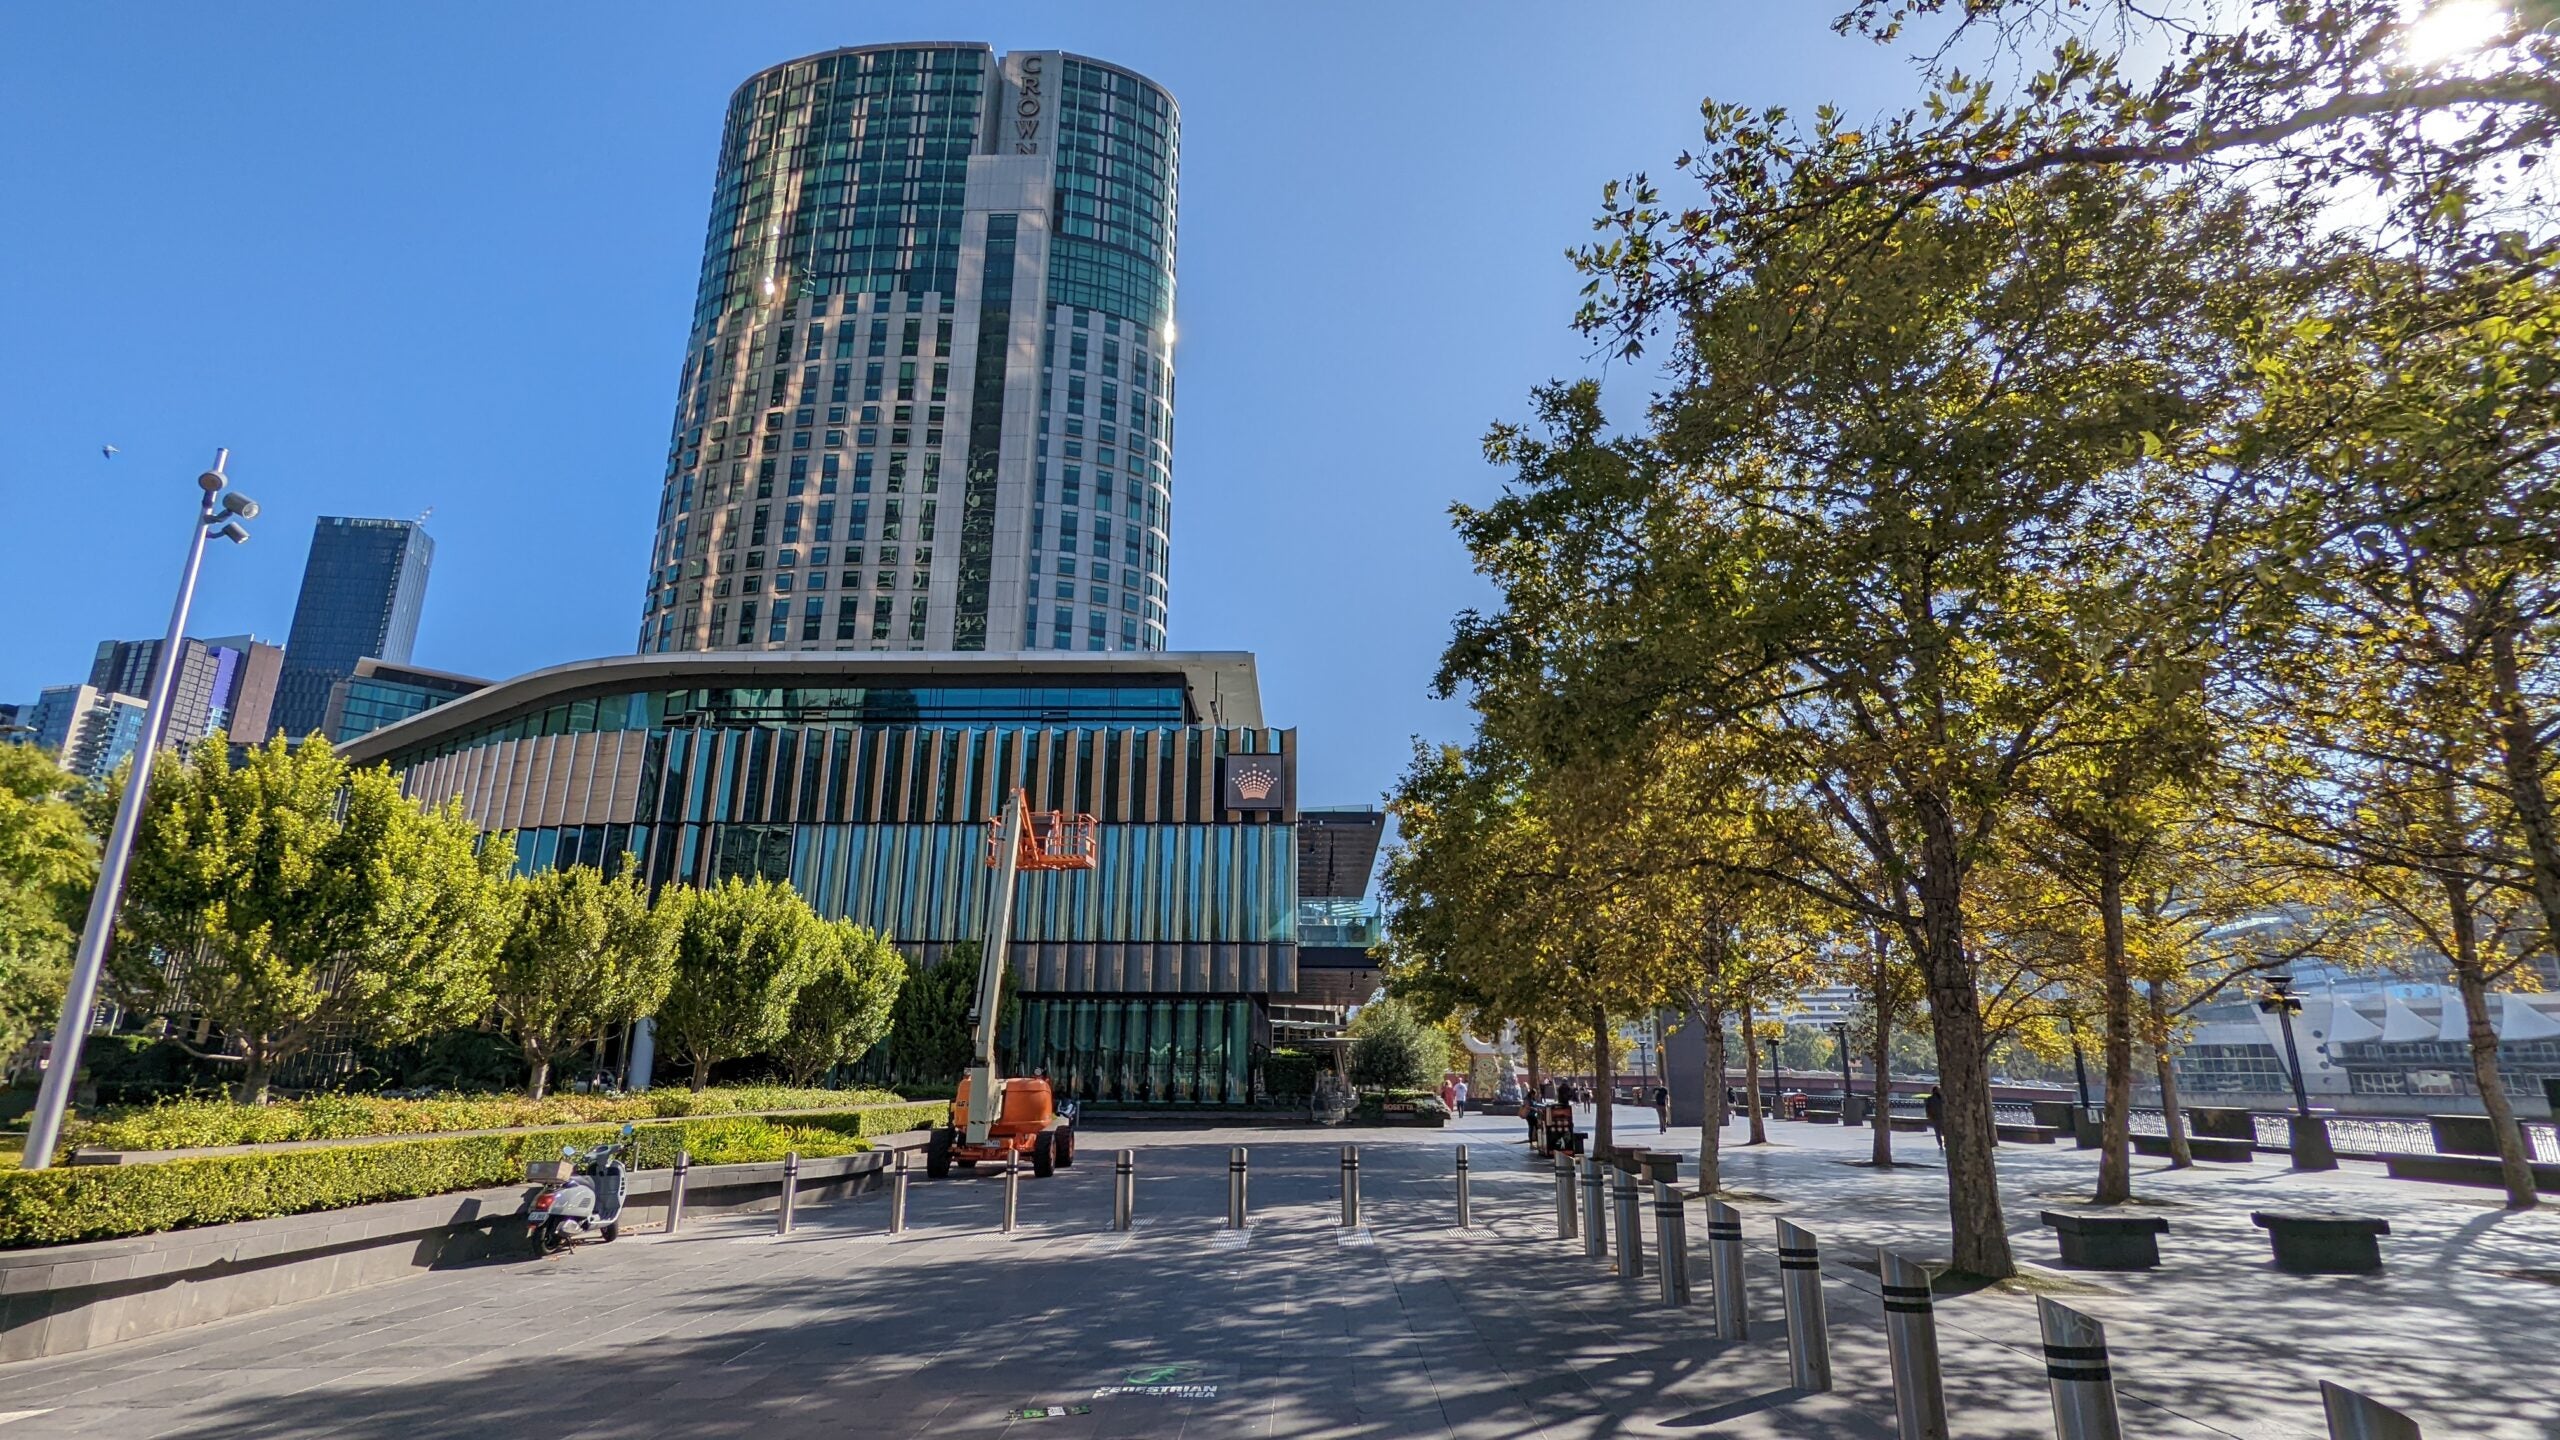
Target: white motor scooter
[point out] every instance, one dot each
(581, 1196)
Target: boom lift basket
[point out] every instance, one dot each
(1051, 839)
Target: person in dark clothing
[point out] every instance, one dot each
(1662, 1107)
(1935, 1109)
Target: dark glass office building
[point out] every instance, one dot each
(362, 589)
(866, 780)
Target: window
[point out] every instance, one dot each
(880, 612)
(813, 612)
(746, 622)
(848, 617)
(915, 618)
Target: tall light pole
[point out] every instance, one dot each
(1841, 1029)
(2309, 1133)
(219, 513)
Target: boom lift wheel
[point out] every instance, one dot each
(1044, 1154)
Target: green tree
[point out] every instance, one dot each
(928, 1045)
(294, 896)
(584, 955)
(48, 862)
(744, 950)
(845, 1010)
(1393, 1049)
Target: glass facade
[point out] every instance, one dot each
(378, 695)
(1142, 979)
(362, 589)
(877, 279)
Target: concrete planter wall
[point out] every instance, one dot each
(66, 1298)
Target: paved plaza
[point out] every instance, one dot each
(1409, 1328)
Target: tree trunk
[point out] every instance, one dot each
(2472, 983)
(2181, 1154)
(2520, 751)
(1529, 1047)
(538, 1077)
(2115, 1148)
(1882, 1119)
(1980, 1235)
(1711, 1119)
(254, 1079)
(1751, 1079)
(701, 1073)
(1603, 1097)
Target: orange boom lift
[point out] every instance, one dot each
(1021, 1115)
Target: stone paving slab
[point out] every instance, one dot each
(955, 1330)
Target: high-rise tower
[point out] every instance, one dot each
(362, 588)
(928, 399)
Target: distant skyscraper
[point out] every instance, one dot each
(249, 705)
(213, 679)
(927, 265)
(88, 730)
(361, 591)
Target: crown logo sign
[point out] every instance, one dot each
(1254, 782)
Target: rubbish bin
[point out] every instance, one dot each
(1856, 1110)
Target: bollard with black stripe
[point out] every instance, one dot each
(1808, 1328)
(1350, 1187)
(1724, 1271)
(1630, 1225)
(2075, 1362)
(898, 1194)
(1564, 1196)
(675, 1191)
(1124, 1190)
(1595, 1211)
(1236, 1165)
(2357, 1417)
(1671, 1237)
(1012, 1192)
(1911, 1341)
(790, 1192)
(1466, 1221)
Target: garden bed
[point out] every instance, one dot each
(95, 1202)
(196, 1124)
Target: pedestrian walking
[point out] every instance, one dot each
(1662, 1107)
(1935, 1109)
(1462, 1096)
(1449, 1094)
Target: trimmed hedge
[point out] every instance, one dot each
(72, 1203)
(1289, 1073)
(190, 1124)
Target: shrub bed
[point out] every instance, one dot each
(190, 1123)
(99, 1202)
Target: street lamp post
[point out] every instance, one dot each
(219, 513)
(2310, 1135)
(1777, 1087)
(1841, 1029)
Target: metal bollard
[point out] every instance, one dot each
(2084, 1388)
(1595, 1212)
(1911, 1340)
(1671, 1237)
(1124, 1190)
(1465, 1221)
(1808, 1329)
(1350, 1187)
(1012, 1191)
(675, 1191)
(898, 1195)
(1235, 1188)
(1724, 1271)
(2355, 1417)
(1630, 1225)
(790, 1192)
(1564, 1196)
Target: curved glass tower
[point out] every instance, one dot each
(928, 399)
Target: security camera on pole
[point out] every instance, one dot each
(220, 513)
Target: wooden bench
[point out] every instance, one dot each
(2202, 1147)
(1910, 1122)
(2029, 1134)
(2107, 1242)
(2323, 1244)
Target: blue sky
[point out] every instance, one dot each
(401, 257)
